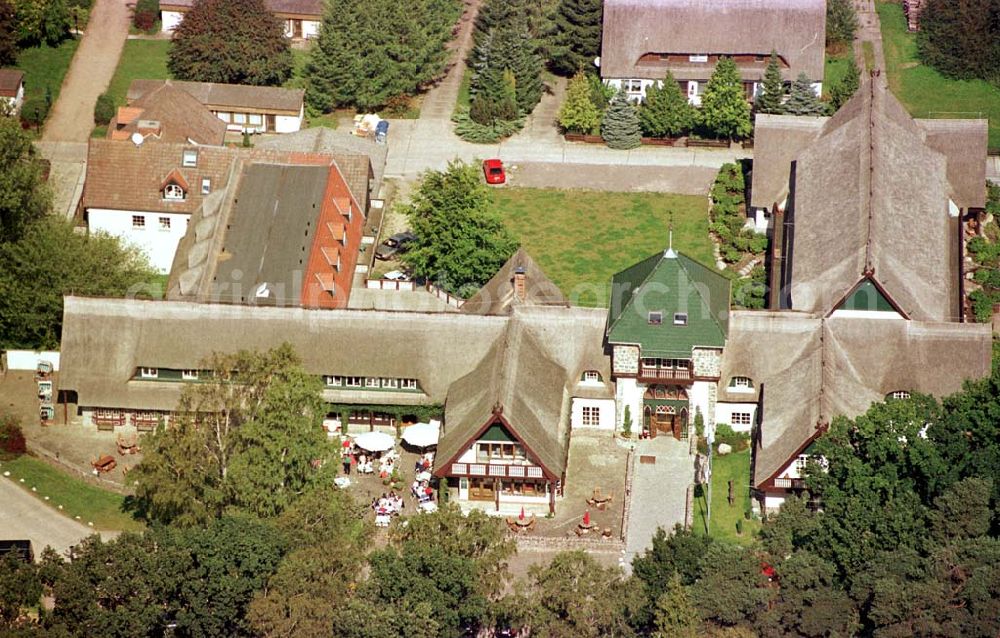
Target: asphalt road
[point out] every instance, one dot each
(22, 516)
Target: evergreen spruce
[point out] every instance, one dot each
(841, 22)
(578, 113)
(802, 99)
(577, 38)
(725, 111)
(620, 127)
(666, 111)
(772, 91)
(846, 87)
(502, 50)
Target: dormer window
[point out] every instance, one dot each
(190, 159)
(173, 192)
(148, 373)
(591, 376)
(655, 318)
(898, 394)
(741, 384)
(680, 319)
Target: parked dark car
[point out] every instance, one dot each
(394, 245)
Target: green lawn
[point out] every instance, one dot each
(141, 60)
(464, 97)
(925, 92)
(45, 67)
(732, 467)
(77, 497)
(582, 238)
(835, 69)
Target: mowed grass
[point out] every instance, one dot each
(45, 67)
(582, 238)
(733, 467)
(835, 68)
(141, 60)
(925, 92)
(92, 504)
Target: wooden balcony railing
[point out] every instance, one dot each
(681, 374)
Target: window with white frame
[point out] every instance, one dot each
(632, 86)
(741, 418)
(591, 416)
(740, 384)
(139, 222)
(190, 159)
(255, 119)
(408, 384)
(189, 375)
(333, 381)
(680, 319)
(698, 57)
(164, 223)
(206, 186)
(352, 382)
(800, 464)
(173, 191)
(591, 376)
(390, 383)
(148, 373)
(373, 382)
(240, 118)
(898, 394)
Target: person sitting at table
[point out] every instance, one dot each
(418, 466)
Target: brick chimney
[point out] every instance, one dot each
(519, 284)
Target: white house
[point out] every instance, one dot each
(146, 193)
(12, 88)
(643, 39)
(301, 18)
(256, 109)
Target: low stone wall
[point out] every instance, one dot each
(568, 543)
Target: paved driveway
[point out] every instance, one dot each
(22, 516)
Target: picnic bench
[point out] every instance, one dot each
(600, 500)
(104, 464)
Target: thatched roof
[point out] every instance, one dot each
(632, 28)
(778, 139)
(807, 370)
(529, 362)
(497, 296)
(870, 199)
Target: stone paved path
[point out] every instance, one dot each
(659, 491)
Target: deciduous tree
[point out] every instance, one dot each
(666, 111)
(461, 239)
(731, 588)
(675, 615)
(8, 33)
(725, 111)
(24, 196)
(230, 41)
(576, 40)
(53, 260)
(620, 125)
(246, 437)
(578, 113)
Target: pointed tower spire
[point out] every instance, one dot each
(670, 254)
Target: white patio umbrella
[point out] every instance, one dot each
(422, 434)
(374, 441)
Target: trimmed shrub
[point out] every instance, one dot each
(144, 20)
(12, 443)
(104, 109)
(34, 111)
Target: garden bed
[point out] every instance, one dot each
(654, 141)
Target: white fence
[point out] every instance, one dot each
(28, 359)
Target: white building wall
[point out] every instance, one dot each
(169, 20)
(773, 501)
(699, 400)
(724, 414)
(157, 242)
(287, 123)
(629, 393)
(310, 28)
(28, 359)
(606, 418)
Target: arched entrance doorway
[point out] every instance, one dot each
(665, 411)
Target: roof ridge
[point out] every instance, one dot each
(869, 132)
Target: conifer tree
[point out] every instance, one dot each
(666, 111)
(802, 98)
(846, 87)
(502, 50)
(772, 91)
(577, 38)
(725, 111)
(578, 113)
(620, 127)
(675, 615)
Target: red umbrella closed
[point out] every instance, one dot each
(586, 518)
(521, 515)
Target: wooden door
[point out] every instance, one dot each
(481, 489)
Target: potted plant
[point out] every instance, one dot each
(627, 423)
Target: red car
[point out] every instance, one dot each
(493, 170)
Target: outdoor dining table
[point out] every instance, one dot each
(424, 476)
(342, 482)
(429, 506)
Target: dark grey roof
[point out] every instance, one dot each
(270, 233)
